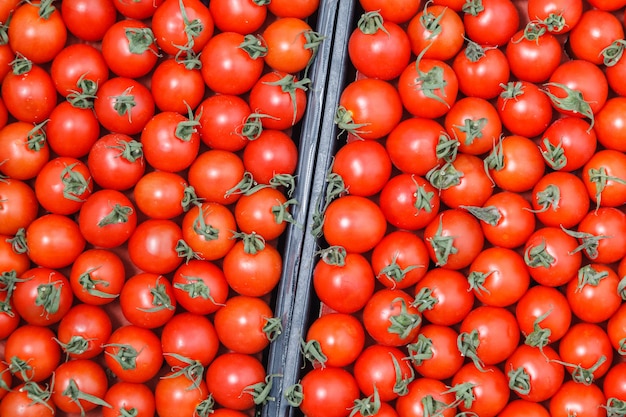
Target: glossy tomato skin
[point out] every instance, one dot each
(88, 20)
(481, 21)
(25, 148)
(141, 9)
(491, 390)
(129, 48)
(169, 25)
(200, 287)
(107, 218)
(76, 61)
(411, 405)
(152, 246)
(241, 322)
(480, 71)
(452, 293)
(18, 403)
(36, 346)
(587, 345)
(609, 222)
(63, 185)
(519, 408)
(524, 109)
(545, 374)
(252, 274)
(545, 307)
(575, 137)
(191, 336)
(595, 30)
(90, 379)
(390, 319)
(67, 121)
(412, 145)
(240, 16)
(584, 400)
(129, 396)
(88, 322)
(441, 40)
(409, 201)
(568, 11)
(609, 163)
(438, 342)
(614, 385)
(10, 260)
(33, 90)
(400, 259)
(222, 122)
(376, 367)
(215, 173)
(608, 124)
(341, 338)
(97, 276)
(284, 105)
(116, 161)
(273, 153)
(132, 341)
(533, 57)
(147, 300)
(560, 199)
(160, 194)
(208, 230)
(516, 151)
(174, 86)
(287, 41)
(355, 223)
(175, 394)
(328, 392)
(475, 123)
(470, 184)
(54, 241)
(562, 263)
(398, 11)
(19, 206)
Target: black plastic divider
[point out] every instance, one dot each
(280, 357)
(306, 305)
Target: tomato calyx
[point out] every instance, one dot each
(313, 40)
(433, 407)
(421, 350)
(368, 406)
(589, 244)
(84, 94)
(118, 214)
(430, 22)
(18, 242)
(254, 46)
(124, 103)
(539, 337)
(203, 229)
(583, 375)
(589, 276)
(447, 148)
(190, 198)
(395, 273)
(548, 198)
(206, 407)
(424, 300)
(37, 394)
(253, 243)
(160, 299)
(345, 123)
(532, 32)
(21, 366)
(511, 91)
(536, 256)
(294, 395)
(473, 129)
(489, 215)
(612, 54)
(289, 84)
(126, 355)
(131, 150)
(572, 102)
(74, 183)
(519, 381)
(193, 28)
(443, 246)
(474, 52)
(46, 8)
(444, 176)
(473, 7)
(195, 287)
(371, 22)
(477, 280)
(261, 2)
(429, 82)
(193, 370)
(36, 137)
(21, 65)
(272, 328)
(4, 32)
(463, 394)
(404, 322)
(77, 345)
(88, 283)
(140, 40)
(333, 255)
(49, 296)
(335, 187)
(401, 385)
(495, 160)
(600, 178)
(281, 211)
(554, 22)
(312, 352)
(467, 343)
(76, 395)
(183, 250)
(260, 391)
(253, 125)
(244, 186)
(186, 128)
(615, 407)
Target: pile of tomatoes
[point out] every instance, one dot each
(148, 165)
(472, 230)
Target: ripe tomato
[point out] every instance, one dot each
(19, 206)
(116, 161)
(584, 400)
(462, 182)
(587, 351)
(175, 86)
(240, 16)
(559, 16)
(224, 122)
(524, 408)
(507, 156)
(616, 329)
(175, 394)
(328, 392)
(400, 259)
(475, 123)
(12, 261)
(79, 386)
(123, 105)
(344, 286)
(414, 403)
(129, 48)
(436, 32)
(80, 68)
(137, 9)
(354, 223)
(339, 338)
(6, 380)
(534, 374)
(84, 330)
(434, 354)
(454, 238)
(189, 336)
(88, 20)
(161, 195)
(369, 108)
(245, 324)
(613, 385)
(230, 378)
(383, 368)
(272, 154)
(208, 230)
(153, 246)
(595, 30)
(97, 276)
(265, 212)
(36, 32)
(200, 287)
(252, 267)
(524, 109)
(390, 318)
(30, 96)
(25, 150)
(291, 44)
(178, 25)
(54, 241)
(604, 240)
(232, 63)
(133, 354)
(490, 22)
(364, 167)
(543, 315)
(132, 398)
(67, 121)
(280, 97)
(480, 71)
(596, 285)
(63, 185)
(444, 296)
(18, 402)
(490, 390)
(412, 145)
(550, 256)
(147, 300)
(608, 124)
(378, 41)
(533, 53)
(397, 11)
(604, 176)
(409, 202)
(107, 218)
(560, 199)
(32, 353)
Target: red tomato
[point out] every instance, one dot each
(188, 340)
(616, 329)
(596, 285)
(602, 237)
(390, 318)
(400, 259)
(30, 96)
(137, 9)
(490, 389)
(147, 300)
(224, 123)
(534, 374)
(426, 397)
(454, 238)
(604, 176)
(25, 150)
(200, 287)
(475, 123)
(54, 241)
(63, 185)
(609, 124)
(397, 11)
(208, 230)
(409, 202)
(175, 394)
(291, 44)
(271, 155)
(265, 212)
(444, 296)
(12, 261)
(344, 286)
(543, 315)
(377, 368)
(116, 161)
(481, 70)
(84, 330)
(533, 53)
(280, 97)
(215, 175)
(436, 32)
(19, 206)
(178, 25)
(508, 157)
(229, 378)
(246, 325)
(613, 385)
(434, 354)
(369, 108)
(107, 218)
(97, 276)
(18, 401)
(129, 48)
(6, 380)
(364, 167)
(462, 182)
(240, 16)
(586, 349)
(355, 223)
(595, 30)
(560, 199)
(80, 68)
(37, 33)
(524, 408)
(32, 353)
(153, 246)
(88, 20)
(584, 400)
(550, 256)
(491, 22)
(133, 354)
(412, 145)
(559, 16)
(340, 338)
(328, 392)
(67, 121)
(162, 195)
(175, 86)
(79, 386)
(128, 396)
(524, 109)
(378, 48)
